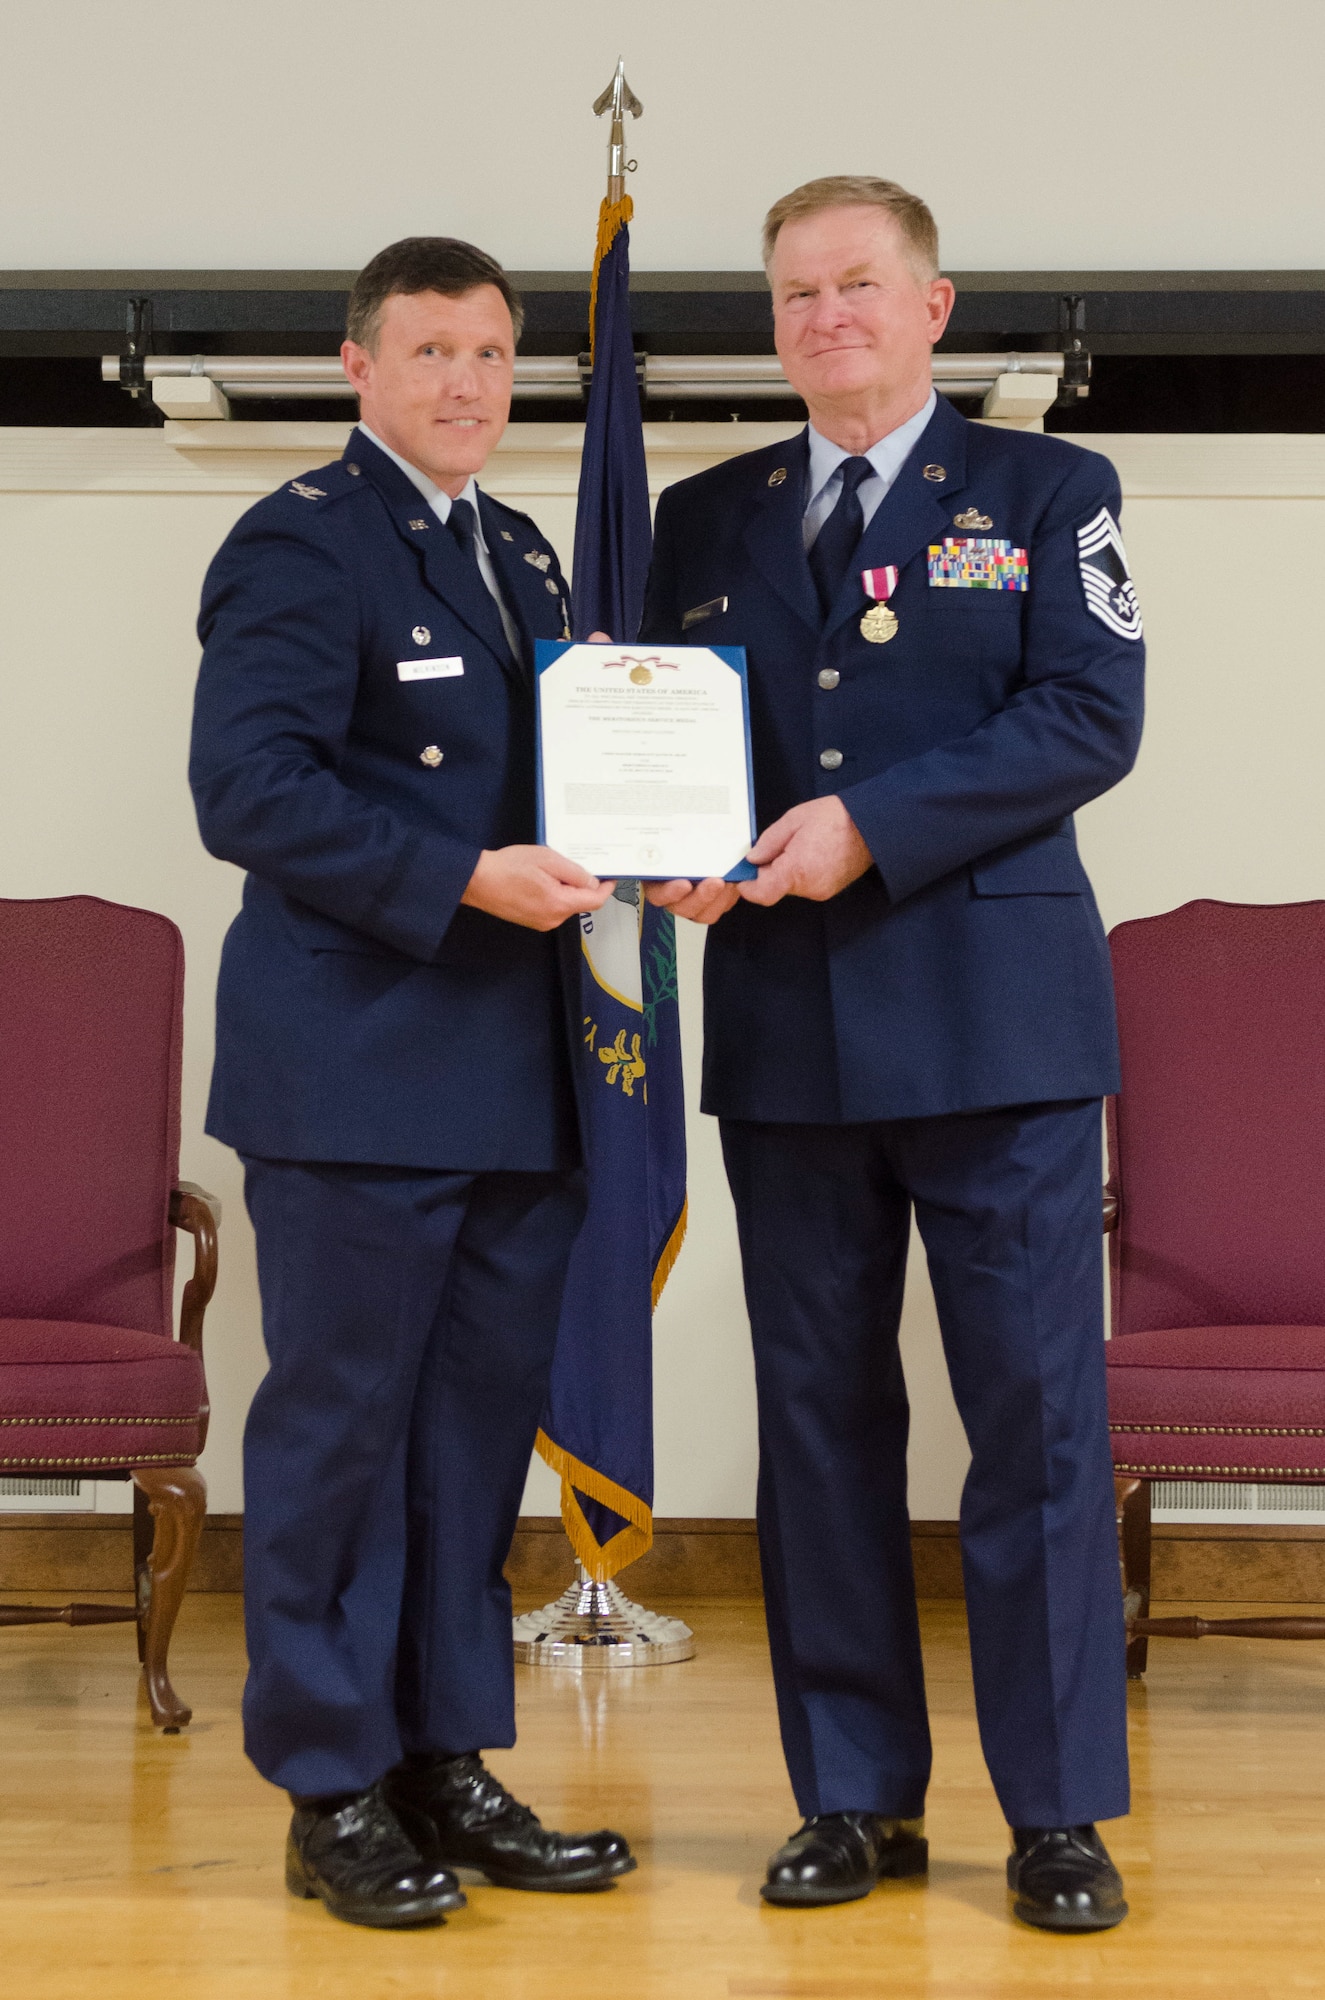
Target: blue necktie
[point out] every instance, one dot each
(464, 527)
(463, 523)
(837, 540)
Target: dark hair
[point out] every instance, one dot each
(422, 264)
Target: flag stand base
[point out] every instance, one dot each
(594, 1626)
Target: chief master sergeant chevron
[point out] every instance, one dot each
(393, 1062)
(910, 1008)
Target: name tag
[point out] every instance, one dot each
(430, 670)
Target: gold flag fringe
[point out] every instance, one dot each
(603, 1559)
(671, 1250)
(612, 219)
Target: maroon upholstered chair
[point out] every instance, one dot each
(92, 1380)
(1216, 1208)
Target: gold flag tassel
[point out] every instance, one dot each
(612, 219)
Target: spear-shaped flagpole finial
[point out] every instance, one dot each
(619, 99)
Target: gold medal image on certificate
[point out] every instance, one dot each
(644, 759)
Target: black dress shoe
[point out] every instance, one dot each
(838, 1857)
(1063, 1879)
(352, 1851)
(459, 1816)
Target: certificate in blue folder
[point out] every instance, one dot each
(644, 764)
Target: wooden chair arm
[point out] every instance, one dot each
(1110, 1208)
(192, 1189)
(192, 1208)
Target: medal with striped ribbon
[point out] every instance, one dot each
(879, 624)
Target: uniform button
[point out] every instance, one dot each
(829, 677)
(831, 760)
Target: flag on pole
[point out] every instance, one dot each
(597, 1430)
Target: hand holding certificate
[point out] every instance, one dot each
(644, 759)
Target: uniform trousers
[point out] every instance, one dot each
(410, 1319)
(1008, 1207)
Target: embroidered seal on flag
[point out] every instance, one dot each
(1105, 577)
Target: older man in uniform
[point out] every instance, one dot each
(393, 1063)
(910, 1010)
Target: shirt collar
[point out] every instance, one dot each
(439, 502)
(887, 456)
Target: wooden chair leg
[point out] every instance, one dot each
(1132, 1498)
(144, 1530)
(176, 1497)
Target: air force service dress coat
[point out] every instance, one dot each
(968, 967)
(361, 732)
(933, 1041)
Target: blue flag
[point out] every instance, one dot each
(597, 1430)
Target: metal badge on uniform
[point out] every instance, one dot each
(879, 623)
(539, 560)
(699, 612)
(306, 492)
(420, 635)
(972, 562)
(972, 518)
(1105, 577)
(430, 670)
(432, 756)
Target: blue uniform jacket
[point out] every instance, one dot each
(363, 1014)
(968, 967)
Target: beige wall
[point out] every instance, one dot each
(104, 537)
(307, 133)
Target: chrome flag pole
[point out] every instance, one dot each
(598, 1426)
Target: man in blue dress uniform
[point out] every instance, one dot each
(910, 1011)
(393, 1063)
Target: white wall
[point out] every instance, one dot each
(308, 133)
(104, 537)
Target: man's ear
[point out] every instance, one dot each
(357, 363)
(942, 293)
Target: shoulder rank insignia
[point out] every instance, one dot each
(1105, 577)
(306, 492)
(972, 518)
(539, 560)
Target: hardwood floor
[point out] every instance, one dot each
(143, 1866)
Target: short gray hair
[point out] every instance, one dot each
(919, 230)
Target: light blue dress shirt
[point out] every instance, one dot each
(887, 457)
(441, 506)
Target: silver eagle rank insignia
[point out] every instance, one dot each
(306, 492)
